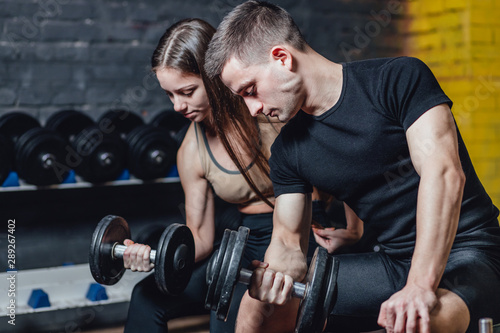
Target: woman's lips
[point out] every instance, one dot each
(190, 114)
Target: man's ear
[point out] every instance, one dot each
(283, 55)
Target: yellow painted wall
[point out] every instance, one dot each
(460, 41)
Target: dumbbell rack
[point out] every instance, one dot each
(13, 183)
(53, 229)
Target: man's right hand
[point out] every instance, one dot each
(270, 286)
(136, 257)
(273, 282)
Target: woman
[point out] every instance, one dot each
(206, 169)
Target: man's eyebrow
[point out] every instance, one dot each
(242, 86)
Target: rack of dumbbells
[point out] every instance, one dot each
(57, 180)
(74, 149)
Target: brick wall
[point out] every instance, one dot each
(460, 41)
(93, 55)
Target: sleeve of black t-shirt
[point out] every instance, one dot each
(282, 171)
(408, 89)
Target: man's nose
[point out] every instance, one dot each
(254, 106)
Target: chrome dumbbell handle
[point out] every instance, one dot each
(298, 290)
(118, 250)
(48, 160)
(106, 159)
(485, 325)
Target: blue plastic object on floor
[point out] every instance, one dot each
(125, 175)
(70, 178)
(12, 180)
(96, 292)
(38, 299)
(173, 172)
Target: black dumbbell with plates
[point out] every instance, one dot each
(98, 153)
(317, 293)
(36, 154)
(173, 259)
(174, 123)
(121, 121)
(151, 152)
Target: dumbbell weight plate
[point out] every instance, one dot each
(35, 150)
(31, 145)
(329, 294)
(174, 260)
(174, 123)
(110, 230)
(105, 155)
(142, 142)
(15, 124)
(68, 123)
(123, 121)
(313, 299)
(12, 126)
(223, 275)
(213, 270)
(232, 272)
(92, 144)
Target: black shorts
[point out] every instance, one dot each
(367, 280)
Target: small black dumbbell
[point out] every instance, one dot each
(173, 259)
(36, 154)
(316, 295)
(151, 152)
(98, 153)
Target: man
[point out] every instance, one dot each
(378, 135)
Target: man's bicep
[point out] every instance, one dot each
(432, 139)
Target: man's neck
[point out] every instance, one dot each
(322, 83)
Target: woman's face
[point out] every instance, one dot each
(186, 91)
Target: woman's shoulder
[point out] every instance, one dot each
(189, 146)
(189, 162)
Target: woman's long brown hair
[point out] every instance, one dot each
(183, 47)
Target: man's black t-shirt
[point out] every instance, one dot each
(358, 152)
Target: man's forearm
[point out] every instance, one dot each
(438, 210)
(289, 242)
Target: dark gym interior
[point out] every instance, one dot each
(92, 56)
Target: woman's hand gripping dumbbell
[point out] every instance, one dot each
(173, 260)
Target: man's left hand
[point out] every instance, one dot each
(408, 310)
